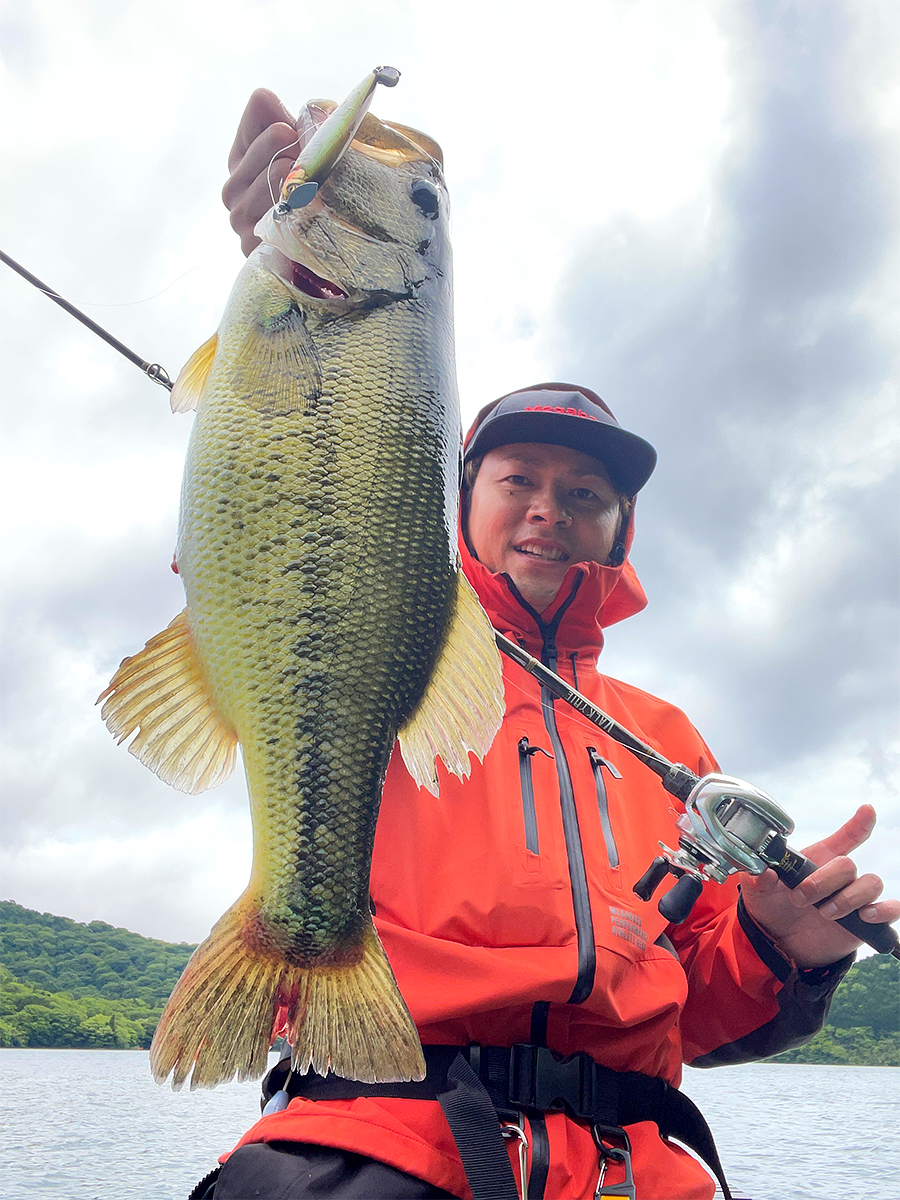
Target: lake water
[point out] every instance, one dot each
(92, 1125)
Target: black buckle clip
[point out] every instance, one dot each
(539, 1079)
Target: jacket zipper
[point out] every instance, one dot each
(526, 750)
(597, 765)
(584, 924)
(581, 903)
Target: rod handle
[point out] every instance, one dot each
(794, 868)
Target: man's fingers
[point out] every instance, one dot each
(263, 109)
(858, 894)
(844, 840)
(830, 878)
(273, 151)
(884, 912)
(254, 203)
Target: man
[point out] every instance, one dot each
(506, 905)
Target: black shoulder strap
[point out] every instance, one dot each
(473, 1122)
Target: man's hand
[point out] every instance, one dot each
(808, 935)
(267, 131)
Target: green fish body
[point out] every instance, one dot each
(325, 611)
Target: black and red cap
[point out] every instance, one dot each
(565, 414)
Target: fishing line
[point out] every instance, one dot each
(278, 154)
(131, 303)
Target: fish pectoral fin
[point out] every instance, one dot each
(161, 693)
(277, 368)
(463, 705)
(192, 377)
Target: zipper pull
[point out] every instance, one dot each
(598, 762)
(526, 749)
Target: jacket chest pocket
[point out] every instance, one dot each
(599, 764)
(526, 751)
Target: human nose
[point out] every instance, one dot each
(548, 504)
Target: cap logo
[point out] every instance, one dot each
(550, 408)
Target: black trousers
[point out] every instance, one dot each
(294, 1171)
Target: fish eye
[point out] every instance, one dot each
(424, 195)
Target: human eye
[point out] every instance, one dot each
(585, 495)
(517, 480)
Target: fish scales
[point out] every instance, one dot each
(326, 615)
(300, 554)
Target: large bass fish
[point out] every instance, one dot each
(325, 611)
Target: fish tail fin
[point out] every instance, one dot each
(233, 999)
(352, 1020)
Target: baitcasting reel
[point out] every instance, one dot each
(727, 826)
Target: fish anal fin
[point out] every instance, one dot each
(463, 705)
(192, 377)
(233, 998)
(161, 695)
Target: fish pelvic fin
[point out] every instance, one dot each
(463, 705)
(161, 693)
(188, 387)
(232, 1000)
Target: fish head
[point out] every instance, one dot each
(375, 231)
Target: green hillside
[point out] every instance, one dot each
(863, 1026)
(67, 984)
(59, 955)
(63, 983)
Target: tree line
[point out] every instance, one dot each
(68, 984)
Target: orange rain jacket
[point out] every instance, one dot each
(506, 907)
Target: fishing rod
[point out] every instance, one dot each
(152, 370)
(728, 825)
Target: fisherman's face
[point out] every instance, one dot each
(535, 509)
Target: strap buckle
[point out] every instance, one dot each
(539, 1079)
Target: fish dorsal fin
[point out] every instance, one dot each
(161, 693)
(192, 377)
(463, 704)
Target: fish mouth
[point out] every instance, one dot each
(305, 280)
(547, 551)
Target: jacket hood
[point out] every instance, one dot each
(593, 596)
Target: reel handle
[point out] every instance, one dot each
(794, 868)
(678, 901)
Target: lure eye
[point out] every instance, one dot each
(424, 195)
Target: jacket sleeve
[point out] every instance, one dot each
(745, 1000)
(803, 1002)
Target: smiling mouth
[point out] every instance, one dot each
(547, 553)
(308, 282)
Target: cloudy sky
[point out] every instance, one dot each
(689, 205)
